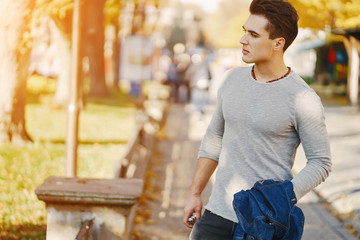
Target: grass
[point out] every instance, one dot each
(105, 126)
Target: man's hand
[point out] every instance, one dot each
(204, 169)
(193, 206)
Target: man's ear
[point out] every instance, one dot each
(279, 43)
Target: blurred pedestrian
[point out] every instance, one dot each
(262, 114)
(173, 80)
(184, 88)
(199, 76)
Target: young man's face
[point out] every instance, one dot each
(257, 46)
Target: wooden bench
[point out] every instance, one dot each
(133, 162)
(108, 204)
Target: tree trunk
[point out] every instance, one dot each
(15, 47)
(62, 38)
(352, 47)
(61, 30)
(93, 45)
(116, 57)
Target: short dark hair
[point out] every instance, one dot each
(282, 18)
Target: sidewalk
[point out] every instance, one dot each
(172, 167)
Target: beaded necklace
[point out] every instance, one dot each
(285, 75)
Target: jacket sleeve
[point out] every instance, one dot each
(310, 125)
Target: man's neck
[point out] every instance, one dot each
(269, 71)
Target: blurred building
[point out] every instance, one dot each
(328, 60)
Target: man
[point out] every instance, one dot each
(262, 114)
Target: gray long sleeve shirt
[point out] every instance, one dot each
(254, 133)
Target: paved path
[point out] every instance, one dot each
(172, 168)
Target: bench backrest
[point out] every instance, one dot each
(133, 163)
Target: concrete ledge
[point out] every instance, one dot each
(110, 223)
(109, 203)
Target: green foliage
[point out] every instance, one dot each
(58, 8)
(226, 37)
(224, 27)
(37, 84)
(112, 10)
(23, 169)
(332, 13)
(105, 127)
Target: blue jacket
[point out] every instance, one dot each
(268, 211)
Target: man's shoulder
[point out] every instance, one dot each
(241, 70)
(297, 83)
(233, 74)
(300, 90)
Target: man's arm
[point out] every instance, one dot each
(204, 169)
(208, 157)
(312, 131)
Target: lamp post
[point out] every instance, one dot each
(73, 107)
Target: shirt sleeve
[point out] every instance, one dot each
(310, 125)
(212, 142)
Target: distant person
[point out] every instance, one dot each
(199, 77)
(262, 114)
(173, 80)
(184, 87)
